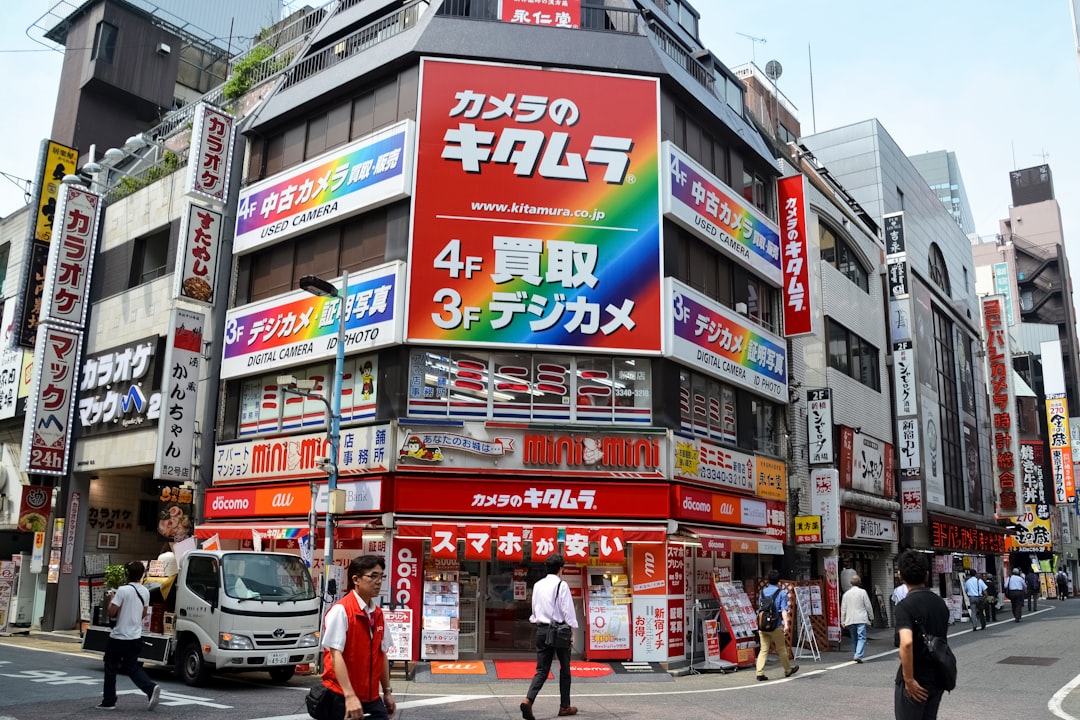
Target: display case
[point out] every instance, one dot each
(737, 624)
(607, 613)
(442, 608)
(467, 614)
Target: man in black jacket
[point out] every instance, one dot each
(918, 689)
(1032, 591)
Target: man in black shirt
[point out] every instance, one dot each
(918, 690)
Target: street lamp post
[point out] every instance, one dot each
(317, 286)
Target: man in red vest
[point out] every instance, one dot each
(354, 648)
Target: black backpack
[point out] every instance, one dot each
(768, 618)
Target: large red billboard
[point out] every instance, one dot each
(536, 213)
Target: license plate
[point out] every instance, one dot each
(278, 659)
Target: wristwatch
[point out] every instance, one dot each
(388, 690)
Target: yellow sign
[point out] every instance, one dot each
(59, 160)
(807, 529)
(771, 478)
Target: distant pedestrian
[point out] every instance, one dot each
(1032, 591)
(775, 637)
(855, 614)
(900, 591)
(992, 596)
(1015, 588)
(918, 689)
(129, 604)
(975, 589)
(1062, 585)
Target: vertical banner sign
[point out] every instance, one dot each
(210, 159)
(536, 213)
(407, 591)
(11, 362)
(179, 396)
(51, 405)
(54, 162)
(1004, 444)
(197, 254)
(70, 528)
(71, 258)
(677, 582)
(825, 485)
(798, 316)
(905, 398)
(832, 597)
(819, 426)
(1061, 459)
(35, 508)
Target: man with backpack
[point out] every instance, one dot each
(774, 618)
(1032, 591)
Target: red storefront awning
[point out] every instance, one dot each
(241, 531)
(721, 540)
(631, 533)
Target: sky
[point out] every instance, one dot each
(995, 81)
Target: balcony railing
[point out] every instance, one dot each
(609, 19)
(366, 37)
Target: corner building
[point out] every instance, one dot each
(562, 318)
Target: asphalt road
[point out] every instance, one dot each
(1029, 669)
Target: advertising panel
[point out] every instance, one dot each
(1061, 456)
(120, 388)
(798, 315)
(299, 328)
(50, 409)
(702, 461)
(1002, 401)
(536, 213)
(819, 426)
(477, 451)
(542, 498)
(1033, 524)
(180, 393)
(717, 213)
(860, 525)
(825, 502)
(289, 500)
(707, 336)
(11, 362)
(71, 258)
(55, 162)
(197, 254)
(549, 13)
(933, 470)
(295, 457)
(372, 171)
(702, 505)
(210, 160)
(862, 462)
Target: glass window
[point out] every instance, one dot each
(854, 356)
(258, 576)
(836, 251)
(765, 437)
(150, 257)
(939, 272)
(838, 348)
(202, 576)
(104, 42)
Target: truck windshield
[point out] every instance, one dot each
(254, 576)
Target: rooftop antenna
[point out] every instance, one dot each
(1044, 155)
(753, 44)
(774, 70)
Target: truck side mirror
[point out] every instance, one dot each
(212, 596)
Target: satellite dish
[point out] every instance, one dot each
(774, 69)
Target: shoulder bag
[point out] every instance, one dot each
(318, 701)
(941, 658)
(559, 632)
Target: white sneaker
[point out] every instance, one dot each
(155, 695)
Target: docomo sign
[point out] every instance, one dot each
(692, 504)
(272, 501)
(407, 583)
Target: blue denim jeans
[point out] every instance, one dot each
(858, 639)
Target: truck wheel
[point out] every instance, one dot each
(190, 665)
(282, 674)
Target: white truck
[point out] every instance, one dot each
(233, 611)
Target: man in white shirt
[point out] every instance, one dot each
(551, 602)
(129, 605)
(975, 589)
(855, 614)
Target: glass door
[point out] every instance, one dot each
(507, 605)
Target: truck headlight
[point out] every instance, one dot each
(309, 640)
(232, 641)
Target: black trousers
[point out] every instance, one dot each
(335, 708)
(904, 708)
(544, 655)
(1016, 597)
(123, 656)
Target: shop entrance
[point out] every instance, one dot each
(504, 589)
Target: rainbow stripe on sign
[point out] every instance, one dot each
(716, 212)
(297, 200)
(709, 337)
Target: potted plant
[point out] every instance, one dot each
(115, 576)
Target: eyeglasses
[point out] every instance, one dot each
(376, 577)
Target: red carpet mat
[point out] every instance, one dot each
(525, 669)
